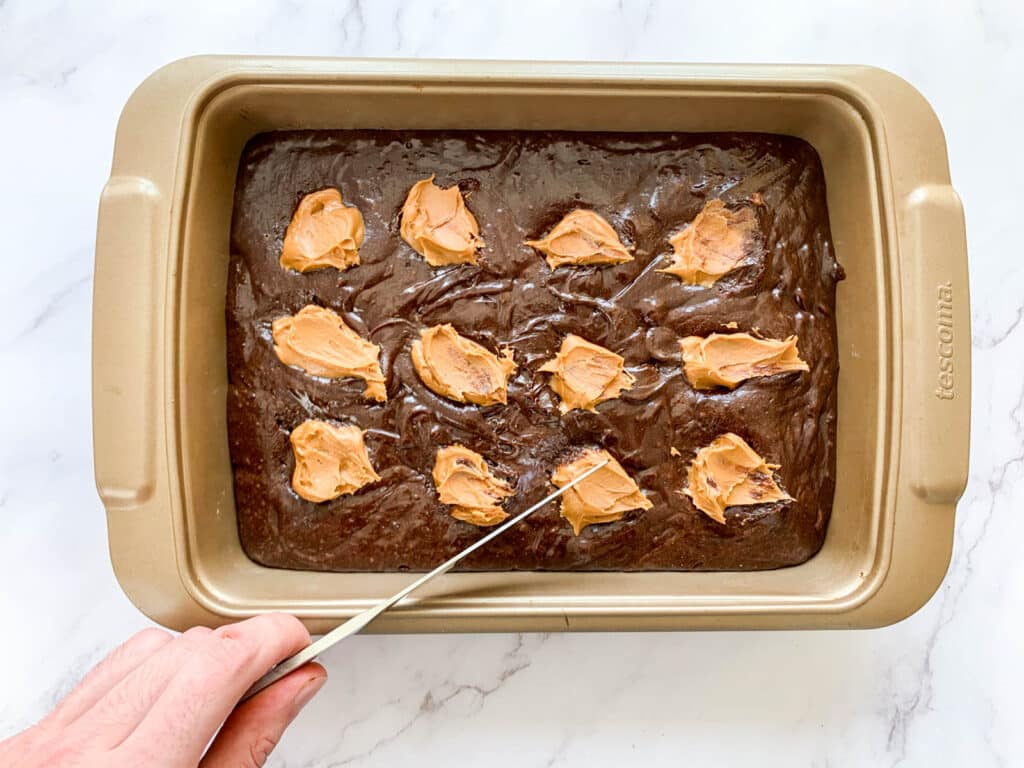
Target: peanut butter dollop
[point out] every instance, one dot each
(460, 369)
(319, 342)
(464, 481)
(582, 237)
(439, 226)
(585, 374)
(324, 232)
(713, 244)
(729, 473)
(727, 359)
(330, 461)
(603, 497)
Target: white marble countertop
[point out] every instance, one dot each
(941, 688)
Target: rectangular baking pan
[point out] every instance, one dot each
(159, 368)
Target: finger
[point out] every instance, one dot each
(254, 728)
(115, 667)
(117, 713)
(200, 696)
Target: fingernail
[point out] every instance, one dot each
(307, 692)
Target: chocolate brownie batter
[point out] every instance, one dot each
(518, 185)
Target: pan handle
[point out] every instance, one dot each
(125, 306)
(937, 343)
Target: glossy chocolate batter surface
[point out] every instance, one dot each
(518, 185)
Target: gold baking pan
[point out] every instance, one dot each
(159, 364)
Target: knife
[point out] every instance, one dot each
(360, 620)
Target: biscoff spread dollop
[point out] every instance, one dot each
(330, 461)
(582, 237)
(713, 244)
(728, 359)
(460, 369)
(603, 497)
(729, 473)
(464, 481)
(323, 232)
(439, 226)
(585, 374)
(319, 342)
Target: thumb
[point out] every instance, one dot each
(252, 731)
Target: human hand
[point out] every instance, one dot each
(157, 700)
